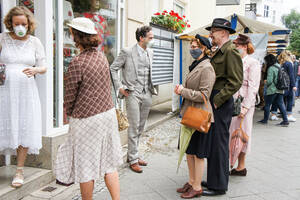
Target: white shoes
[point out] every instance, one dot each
(274, 118)
(291, 118)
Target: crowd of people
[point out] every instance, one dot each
(222, 71)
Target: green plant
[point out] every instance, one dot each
(171, 21)
(292, 21)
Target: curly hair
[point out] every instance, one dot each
(207, 51)
(18, 11)
(85, 40)
(142, 32)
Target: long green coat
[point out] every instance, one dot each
(228, 66)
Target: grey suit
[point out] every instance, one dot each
(137, 78)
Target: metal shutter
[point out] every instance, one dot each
(227, 2)
(163, 49)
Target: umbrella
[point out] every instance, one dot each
(238, 139)
(185, 137)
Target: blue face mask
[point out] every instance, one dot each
(195, 53)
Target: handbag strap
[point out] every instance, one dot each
(242, 119)
(204, 98)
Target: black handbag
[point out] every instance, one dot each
(237, 106)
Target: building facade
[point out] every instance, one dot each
(269, 11)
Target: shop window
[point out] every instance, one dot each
(104, 14)
(27, 3)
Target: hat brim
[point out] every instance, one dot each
(82, 29)
(237, 41)
(231, 31)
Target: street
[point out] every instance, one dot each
(273, 166)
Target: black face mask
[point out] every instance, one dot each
(195, 53)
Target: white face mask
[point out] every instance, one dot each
(20, 30)
(150, 44)
(241, 51)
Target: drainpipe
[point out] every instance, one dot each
(180, 67)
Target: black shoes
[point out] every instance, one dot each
(204, 184)
(235, 172)
(283, 124)
(262, 122)
(208, 192)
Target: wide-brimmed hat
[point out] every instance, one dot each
(221, 23)
(242, 39)
(203, 41)
(83, 24)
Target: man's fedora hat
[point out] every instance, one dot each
(221, 23)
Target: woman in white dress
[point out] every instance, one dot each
(20, 107)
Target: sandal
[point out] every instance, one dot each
(18, 180)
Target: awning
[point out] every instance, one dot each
(277, 35)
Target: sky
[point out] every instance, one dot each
(291, 4)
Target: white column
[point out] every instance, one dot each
(6, 5)
(43, 11)
(60, 60)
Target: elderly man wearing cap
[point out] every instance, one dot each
(137, 88)
(228, 66)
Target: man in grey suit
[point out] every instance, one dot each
(137, 88)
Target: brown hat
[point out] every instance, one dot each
(242, 39)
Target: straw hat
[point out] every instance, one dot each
(83, 24)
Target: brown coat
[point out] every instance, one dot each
(201, 79)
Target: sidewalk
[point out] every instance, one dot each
(273, 166)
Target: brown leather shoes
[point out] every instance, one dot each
(142, 163)
(136, 168)
(184, 189)
(235, 172)
(192, 194)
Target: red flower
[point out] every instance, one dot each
(157, 13)
(177, 20)
(183, 16)
(189, 26)
(163, 13)
(182, 25)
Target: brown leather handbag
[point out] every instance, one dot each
(197, 118)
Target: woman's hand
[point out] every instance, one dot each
(243, 112)
(30, 71)
(178, 89)
(295, 89)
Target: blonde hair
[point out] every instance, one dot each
(18, 11)
(285, 56)
(206, 51)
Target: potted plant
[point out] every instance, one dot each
(170, 21)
